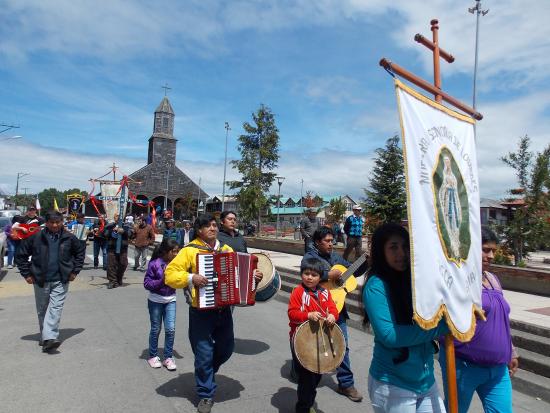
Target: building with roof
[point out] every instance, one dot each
(161, 181)
(492, 212)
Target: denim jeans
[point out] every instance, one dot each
(158, 313)
(492, 384)
(140, 257)
(100, 245)
(387, 398)
(344, 374)
(212, 342)
(12, 249)
(49, 306)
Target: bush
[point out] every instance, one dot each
(522, 264)
(502, 258)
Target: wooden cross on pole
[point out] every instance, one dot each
(166, 88)
(439, 95)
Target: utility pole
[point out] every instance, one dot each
(280, 180)
(167, 179)
(302, 200)
(199, 197)
(227, 129)
(477, 10)
(19, 176)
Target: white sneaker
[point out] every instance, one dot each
(10, 267)
(154, 362)
(169, 363)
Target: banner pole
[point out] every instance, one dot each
(452, 399)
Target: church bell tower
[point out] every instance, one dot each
(162, 144)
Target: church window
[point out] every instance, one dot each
(165, 124)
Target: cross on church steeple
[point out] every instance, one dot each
(166, 88)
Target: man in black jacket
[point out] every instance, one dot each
(116, 262)
(229, 234)
(57, 258)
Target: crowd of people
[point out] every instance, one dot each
(401, 375)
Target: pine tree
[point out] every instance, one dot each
(259, 149)
(385, 199)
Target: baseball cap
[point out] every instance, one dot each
(358, 207)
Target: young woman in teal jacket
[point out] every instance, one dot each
(401, 375)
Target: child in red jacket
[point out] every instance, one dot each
(309, 301)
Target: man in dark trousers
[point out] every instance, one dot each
(57, 258)
(308, 225)
(354, 232)
(229, 234)
(322, 250)
(116, 262)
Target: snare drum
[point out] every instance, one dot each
(271, 281)
(318, 347)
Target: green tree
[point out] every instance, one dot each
(337, 209)
(385, 199)
(47, 196)
(528, 227)
(259, 149)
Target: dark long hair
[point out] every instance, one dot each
(163, 248)
(399, 282)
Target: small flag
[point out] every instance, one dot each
(55, 205)
(38, 203)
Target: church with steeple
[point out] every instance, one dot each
(161, 181)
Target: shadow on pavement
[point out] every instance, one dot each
(285, 370)
(3, 273)
(249, 347)
(64, 334)
(184, 386)
(145, 354)
(285, 400)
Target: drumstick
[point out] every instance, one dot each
(323, 337)
(331, 342)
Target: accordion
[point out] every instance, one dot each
(230, 279)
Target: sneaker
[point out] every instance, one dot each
(169, 363)
(10, 267)
(52, 344)
(205, 406)
(154, 362)
(351, 393)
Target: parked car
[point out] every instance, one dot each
(3, 239)
(10, 213)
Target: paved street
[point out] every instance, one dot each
(101, 365)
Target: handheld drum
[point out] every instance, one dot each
(318, 347)
(271, 281)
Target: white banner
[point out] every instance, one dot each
(111, 199)
(443, 211)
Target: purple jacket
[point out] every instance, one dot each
(154, 278)
(492, 341)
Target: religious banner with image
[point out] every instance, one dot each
(443, 212)
(110, 195)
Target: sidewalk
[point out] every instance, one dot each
(526, 308)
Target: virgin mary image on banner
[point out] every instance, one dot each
(451, 199)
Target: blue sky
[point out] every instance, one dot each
(82, 79)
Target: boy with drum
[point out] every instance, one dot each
(309, 301)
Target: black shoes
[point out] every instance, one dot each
(112, 285)
(49, 345)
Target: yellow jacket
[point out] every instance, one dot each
(179, 273)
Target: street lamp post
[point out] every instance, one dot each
(11, 138)
(477, 10)
(19, 176)
(227, 129)
(280, 180)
